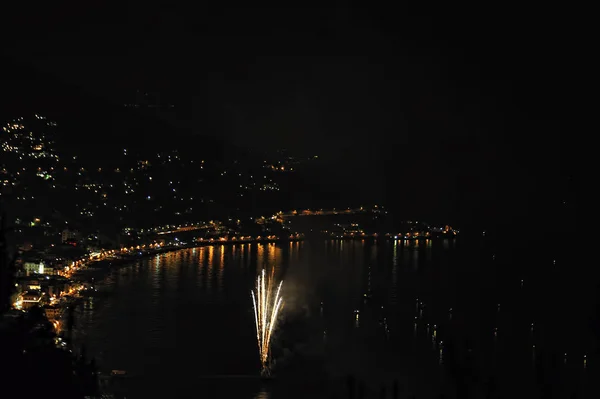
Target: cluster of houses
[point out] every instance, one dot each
(43, 276)
(48, 292)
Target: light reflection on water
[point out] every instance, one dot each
(221, 269)
(209, 267)
(263, 394)
(193, 307)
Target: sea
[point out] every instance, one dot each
(462, 318)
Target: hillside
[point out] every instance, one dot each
(93, 126)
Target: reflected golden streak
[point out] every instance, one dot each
(266, 309)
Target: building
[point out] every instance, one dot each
(31, 299)
(32, 267)
(69, 235)
(51, 270)
(26, 246)
(53, 312)
(30, 284)
(49, 285)
(32, 262)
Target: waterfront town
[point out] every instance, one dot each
(48, 276)
(53, 278)
(55, 242)
(64, 216)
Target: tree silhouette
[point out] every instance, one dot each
(31, 362)
(70, 319)
(36, 313)
(7, 267)
(382, 392)
(361, 390)
(595, 322)
(351, 386)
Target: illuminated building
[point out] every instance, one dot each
(69, 235)
(31, 298)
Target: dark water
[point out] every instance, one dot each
(181, 323)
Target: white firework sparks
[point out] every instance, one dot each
(267, 305)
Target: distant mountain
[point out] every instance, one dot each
(93, 126)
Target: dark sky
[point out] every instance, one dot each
(463, 104)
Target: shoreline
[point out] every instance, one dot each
(124, 260)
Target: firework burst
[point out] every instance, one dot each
(267, 303)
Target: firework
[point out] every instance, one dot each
(267, 304)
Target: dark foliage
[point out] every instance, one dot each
(32, 364)
(6, 267)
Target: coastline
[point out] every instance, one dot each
(124, 259)
(144, 253)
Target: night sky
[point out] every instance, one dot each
(449, 113)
